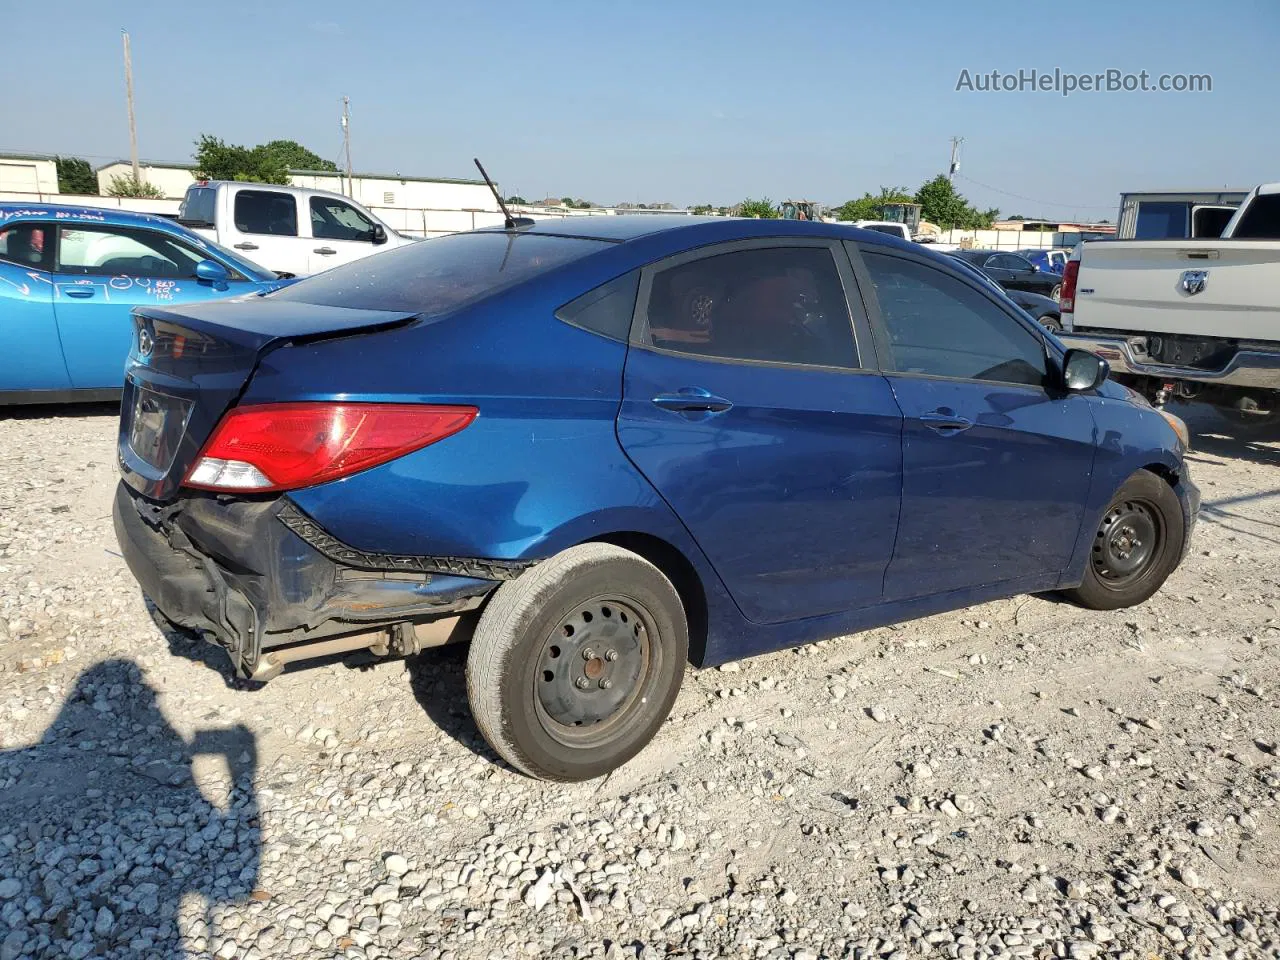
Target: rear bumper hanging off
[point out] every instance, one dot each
(259, 575)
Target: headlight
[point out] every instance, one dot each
(1179, 427)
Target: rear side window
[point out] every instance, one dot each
(434, 276)
(606, 310)
(197, 208)
(266, 212)
(939, 326)
(781, 305)
(28, 245)
(1261, 219)
(1161, 220)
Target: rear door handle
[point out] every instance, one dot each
(80, 293)
(325, 251)
(692, 400)
(246, 246)
(945, 423)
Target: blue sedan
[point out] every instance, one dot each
(598, 449)
(70, 276)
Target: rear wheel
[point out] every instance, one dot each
(1136, 546)
(1251, 425)
(1051, 321)
(575, 665)
(1056, 292)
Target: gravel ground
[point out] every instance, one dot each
(1021, 779)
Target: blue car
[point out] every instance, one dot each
(1050, 261)
(69, 278)
(600, 448)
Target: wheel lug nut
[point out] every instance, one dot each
(606, 683)
(588, 653)
(611, 655)
(582, 683)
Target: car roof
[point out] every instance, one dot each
(69, 214)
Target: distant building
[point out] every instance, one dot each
(28, 173)
(1054, 226)
(172, 178)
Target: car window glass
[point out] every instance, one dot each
(1261, 219)
(334, 220)
(784, 305)
(124, 252)
(606, 310)
(1004, 261)
(940, 326)
(1161, 220)
(27, 245)
(266, 212)
(1018, 263)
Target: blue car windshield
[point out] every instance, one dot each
(435, 276)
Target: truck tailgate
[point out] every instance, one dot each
(1138, 286)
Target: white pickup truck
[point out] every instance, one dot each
(291, 230)
(1191, 319)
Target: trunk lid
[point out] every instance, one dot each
(188, 366)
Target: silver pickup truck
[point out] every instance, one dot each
(1188, 319)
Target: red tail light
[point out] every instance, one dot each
(1067, 301)
(284, 446)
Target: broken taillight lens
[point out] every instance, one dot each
(285, 446)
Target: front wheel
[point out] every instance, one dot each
(1136, 546)
(575, 664)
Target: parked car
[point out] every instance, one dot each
(1042, 310)
(70, 276)
(1049, 261)
(1013, 272)
(601, 447)
(291, 230)
(887, 227)
(1189, 319)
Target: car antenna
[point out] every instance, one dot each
(511, 223)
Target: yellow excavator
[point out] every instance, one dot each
(803, 210)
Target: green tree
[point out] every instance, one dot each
(870, 207)
(941, 204)
(216, 160)
(516, 198)
(294, 156)
(702, 209)
(124, 185)
(762, 208)
(75, 176)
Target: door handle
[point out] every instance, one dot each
(80, 293)
(945, 423)
(325, 251)
(246, 246)
(692, 400)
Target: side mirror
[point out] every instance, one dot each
(1035, 268)
(211, 271)
(1082, 370)
(379, 234)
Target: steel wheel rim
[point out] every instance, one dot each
(1126, 544)
(593, 667)
(1056, 292)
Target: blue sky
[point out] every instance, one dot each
(693, 101)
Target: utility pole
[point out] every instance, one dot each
(133, 125)
(346, 143)
(955, 158)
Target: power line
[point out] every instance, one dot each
(1043, 203)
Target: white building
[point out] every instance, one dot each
(28, 173)
(172, 178)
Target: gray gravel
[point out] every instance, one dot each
(1024, 779)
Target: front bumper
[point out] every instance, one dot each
(239, 572)
(1127, 355)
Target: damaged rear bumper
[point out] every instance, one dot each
(258, 575)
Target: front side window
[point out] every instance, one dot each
(266, 212)
(780, 305)
(334, 220)
(938, 325)
(28, 245)
(123, 252)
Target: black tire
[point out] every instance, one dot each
(1052, 322)
(1137, 545)
(1251, 426)
(1056, 292)
(575, 664)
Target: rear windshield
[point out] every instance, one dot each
(435, 276)
(197, 207)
